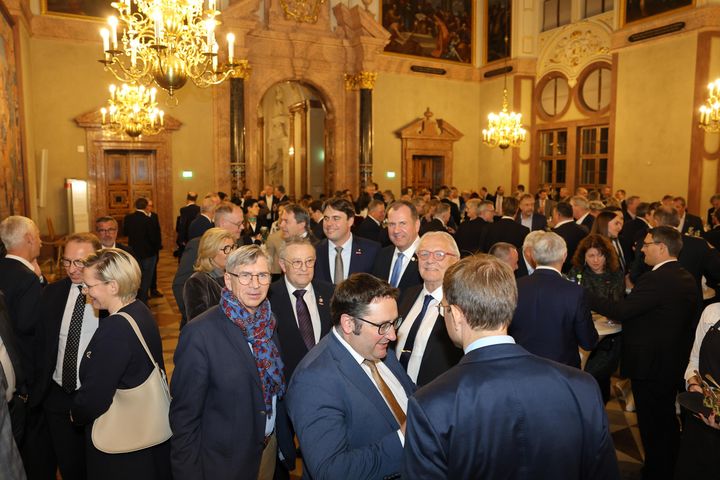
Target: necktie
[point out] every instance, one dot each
(410, 341)
(339, 269)
(386, 392)
(69, 368)
(303, 318)
(395, 277)
(618, 250)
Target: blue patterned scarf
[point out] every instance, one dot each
(258, 329)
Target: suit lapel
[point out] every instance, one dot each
(322, 301)
(356, 254)
(324, 256)
(235, 337)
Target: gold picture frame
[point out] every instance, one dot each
(635, 11)
(96, 10)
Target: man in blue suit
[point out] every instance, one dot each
(342, 253)
(491, 416)
(347, 398)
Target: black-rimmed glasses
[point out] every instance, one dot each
(298, 264)
(438, 255)
(228, 248)
(245, 278)
(384, 327)
(66, 262)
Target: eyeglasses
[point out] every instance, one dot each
(383, 328)
(443, 310)
(107, 230)
(86, 288)
(228, 248)
(647, 244)
(66, 262)
(438, 255)
(298, 264)
(245, 277)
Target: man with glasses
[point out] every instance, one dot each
(348, 397)
(502, 412)
(106, 229)
(423, 346)
(300, 302)
(657, 318)
(68, 322)
(228, 384)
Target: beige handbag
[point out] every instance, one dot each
(138, 417)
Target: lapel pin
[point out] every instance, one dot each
(358, 251)
(321, 302)
(88, 353)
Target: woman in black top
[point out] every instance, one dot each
(115, 359)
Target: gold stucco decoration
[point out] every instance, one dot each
(360, 80)
(302, 11)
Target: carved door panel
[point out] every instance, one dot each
(427, 172)
(130, 175)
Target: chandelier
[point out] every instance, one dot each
(167, 42)
(505, 128)
(710, 111)
(132, 110)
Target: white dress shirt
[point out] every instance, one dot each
(561, 223)
(347, 254)
(407, 258)
(423, 334)
(663, 263)
(390, 379)
(24, 262)
(579, 221)
(488, 341)
(309, 298)
(89, 325)
(526, 221)
(709, 318)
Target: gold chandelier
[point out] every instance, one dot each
(505, 128)
(166, 42)
(132, 110)
(710, 111)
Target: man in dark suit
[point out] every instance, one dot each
(316, 219)
(630, 210)
(68, 322)
(444, 196)
(228, 378)
(423, 346)
(187, 215)
(106, 229)
(715, 202)
(157, 233)
(440, 221)
(544, 205)
(689, 223)
(348, 397)
(552, 318)
(397, 263)
(478, 215)
(657, 319)
(229, 217)
(570, 231)
(303, 317)
(341, 254)
(271, 201)
(372, 228)
(636, 228)
(498, 199)
(713, 236)
(204, 220)
(506, 229)
(453, 429)
(581, 212)
(21, 284)
(526, 215)
(145, 241)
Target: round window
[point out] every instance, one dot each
(595, 89)
(555, 96)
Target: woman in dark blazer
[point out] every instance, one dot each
(202, 290)
(115, 359)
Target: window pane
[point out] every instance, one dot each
(547, 173)
(560, 177)
(595, 7)
(555, 96)
(550, 8)
(596, 89)
(546, 144)
(561, 142)
(587, 172)
(604, 134)
(564, 12)
(602, 174)
(588, 141)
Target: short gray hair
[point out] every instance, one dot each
(246, 255)
(549, 248)
(14, 228)
(295, 240)
(531, 238)
(579, 201)
(449, 240)
(502, 250)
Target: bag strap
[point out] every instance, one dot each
(136, 329)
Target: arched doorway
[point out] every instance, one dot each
(293, 138)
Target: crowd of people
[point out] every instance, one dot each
(428, 336)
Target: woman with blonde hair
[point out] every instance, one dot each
(202, 290)
(114, 360)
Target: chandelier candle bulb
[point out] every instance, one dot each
(231, 47)
(211, 5)
(113, 22)
(105, 34)
(158, 26)
(103, 112)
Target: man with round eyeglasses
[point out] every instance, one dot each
(423, 346)
(348, 398)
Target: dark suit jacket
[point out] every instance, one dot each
(469, 234)
(22, 291)
(199, 226)
(187, 215)
(656, 316)
(588, 222)
(692, 221)
(212, 402)
(539, 222)
(549, 206)
(444, 441)
(317, 229)
(371, 230)
(552, 318)
(572, 233)
(504, 230)
(454, 210)
(8, 339)
(291, 343)
(634, 230)
(382, 269)
(362, 257)
(142, 236)
(156, 232)
(344, 426)
(434, 225)
(713, 237)
(440, 352)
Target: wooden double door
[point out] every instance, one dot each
(427, 172)
(130, 174)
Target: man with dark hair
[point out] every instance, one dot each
(506, 229)
(570, 231)
(657, 318)
(342, 253)
(182, 225)
(204, 220)
(280, 194)
(348, 397)
(145, 241)
(713, 236)
(315, 209)
(526, 215)
(371, 227)
(106, 229)
(453, 423)
(157, 233)
(636, 228)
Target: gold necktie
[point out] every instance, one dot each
(386, 392)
